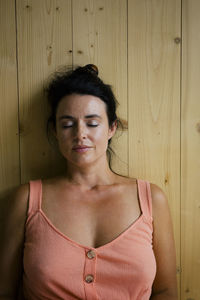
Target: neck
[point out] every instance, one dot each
(91, 176)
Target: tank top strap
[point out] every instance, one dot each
(35, 196)
(145, 198)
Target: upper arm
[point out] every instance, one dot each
(13, 213)
(163, 244)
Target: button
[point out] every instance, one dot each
(91, 254)
(89, 278)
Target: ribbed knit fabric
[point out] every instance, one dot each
(56, 267)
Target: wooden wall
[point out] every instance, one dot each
(190, 149)
(148, 50)
(9, 133)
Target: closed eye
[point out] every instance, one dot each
(90, 125)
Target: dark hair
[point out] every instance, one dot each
(83, 81)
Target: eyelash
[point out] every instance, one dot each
(72, 125)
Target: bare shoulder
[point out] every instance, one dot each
(18, 199)
(12, 220)
(14, 212)
(159, 200)
(22, 191)
(14, 207)
(158, 194)
(163, 245)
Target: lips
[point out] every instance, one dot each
(81, 147)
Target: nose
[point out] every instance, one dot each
(80, 131)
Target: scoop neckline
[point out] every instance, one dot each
(118, 237)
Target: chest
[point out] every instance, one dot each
(95, 218)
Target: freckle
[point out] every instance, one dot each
(79, 52)
(27, 6)
(139, 141)
(100, 8)
(96, 33)
(187, 290)
(85, 9)
(92, 46)
(57, 8)
(70, 51)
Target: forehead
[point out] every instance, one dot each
(81, 104)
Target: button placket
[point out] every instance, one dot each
(90, 274)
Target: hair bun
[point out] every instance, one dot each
(92, 68)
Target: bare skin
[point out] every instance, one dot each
(86, 204)
(79, 214)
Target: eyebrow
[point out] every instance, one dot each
(86, 117)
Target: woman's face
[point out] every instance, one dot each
(81, 120)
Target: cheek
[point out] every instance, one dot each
(101, 134)
(63, 135)
(101, 139)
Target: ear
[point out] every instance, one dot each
(112, 129)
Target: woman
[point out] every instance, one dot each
(91, 233)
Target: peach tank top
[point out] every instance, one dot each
(56, 267)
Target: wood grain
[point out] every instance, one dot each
(9, 138)
(154, 99)
(44, 44)
(190, 149)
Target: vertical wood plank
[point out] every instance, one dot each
(190, 149)
(100, 37)
(9, 141)
(154, 98)
(44, 44)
